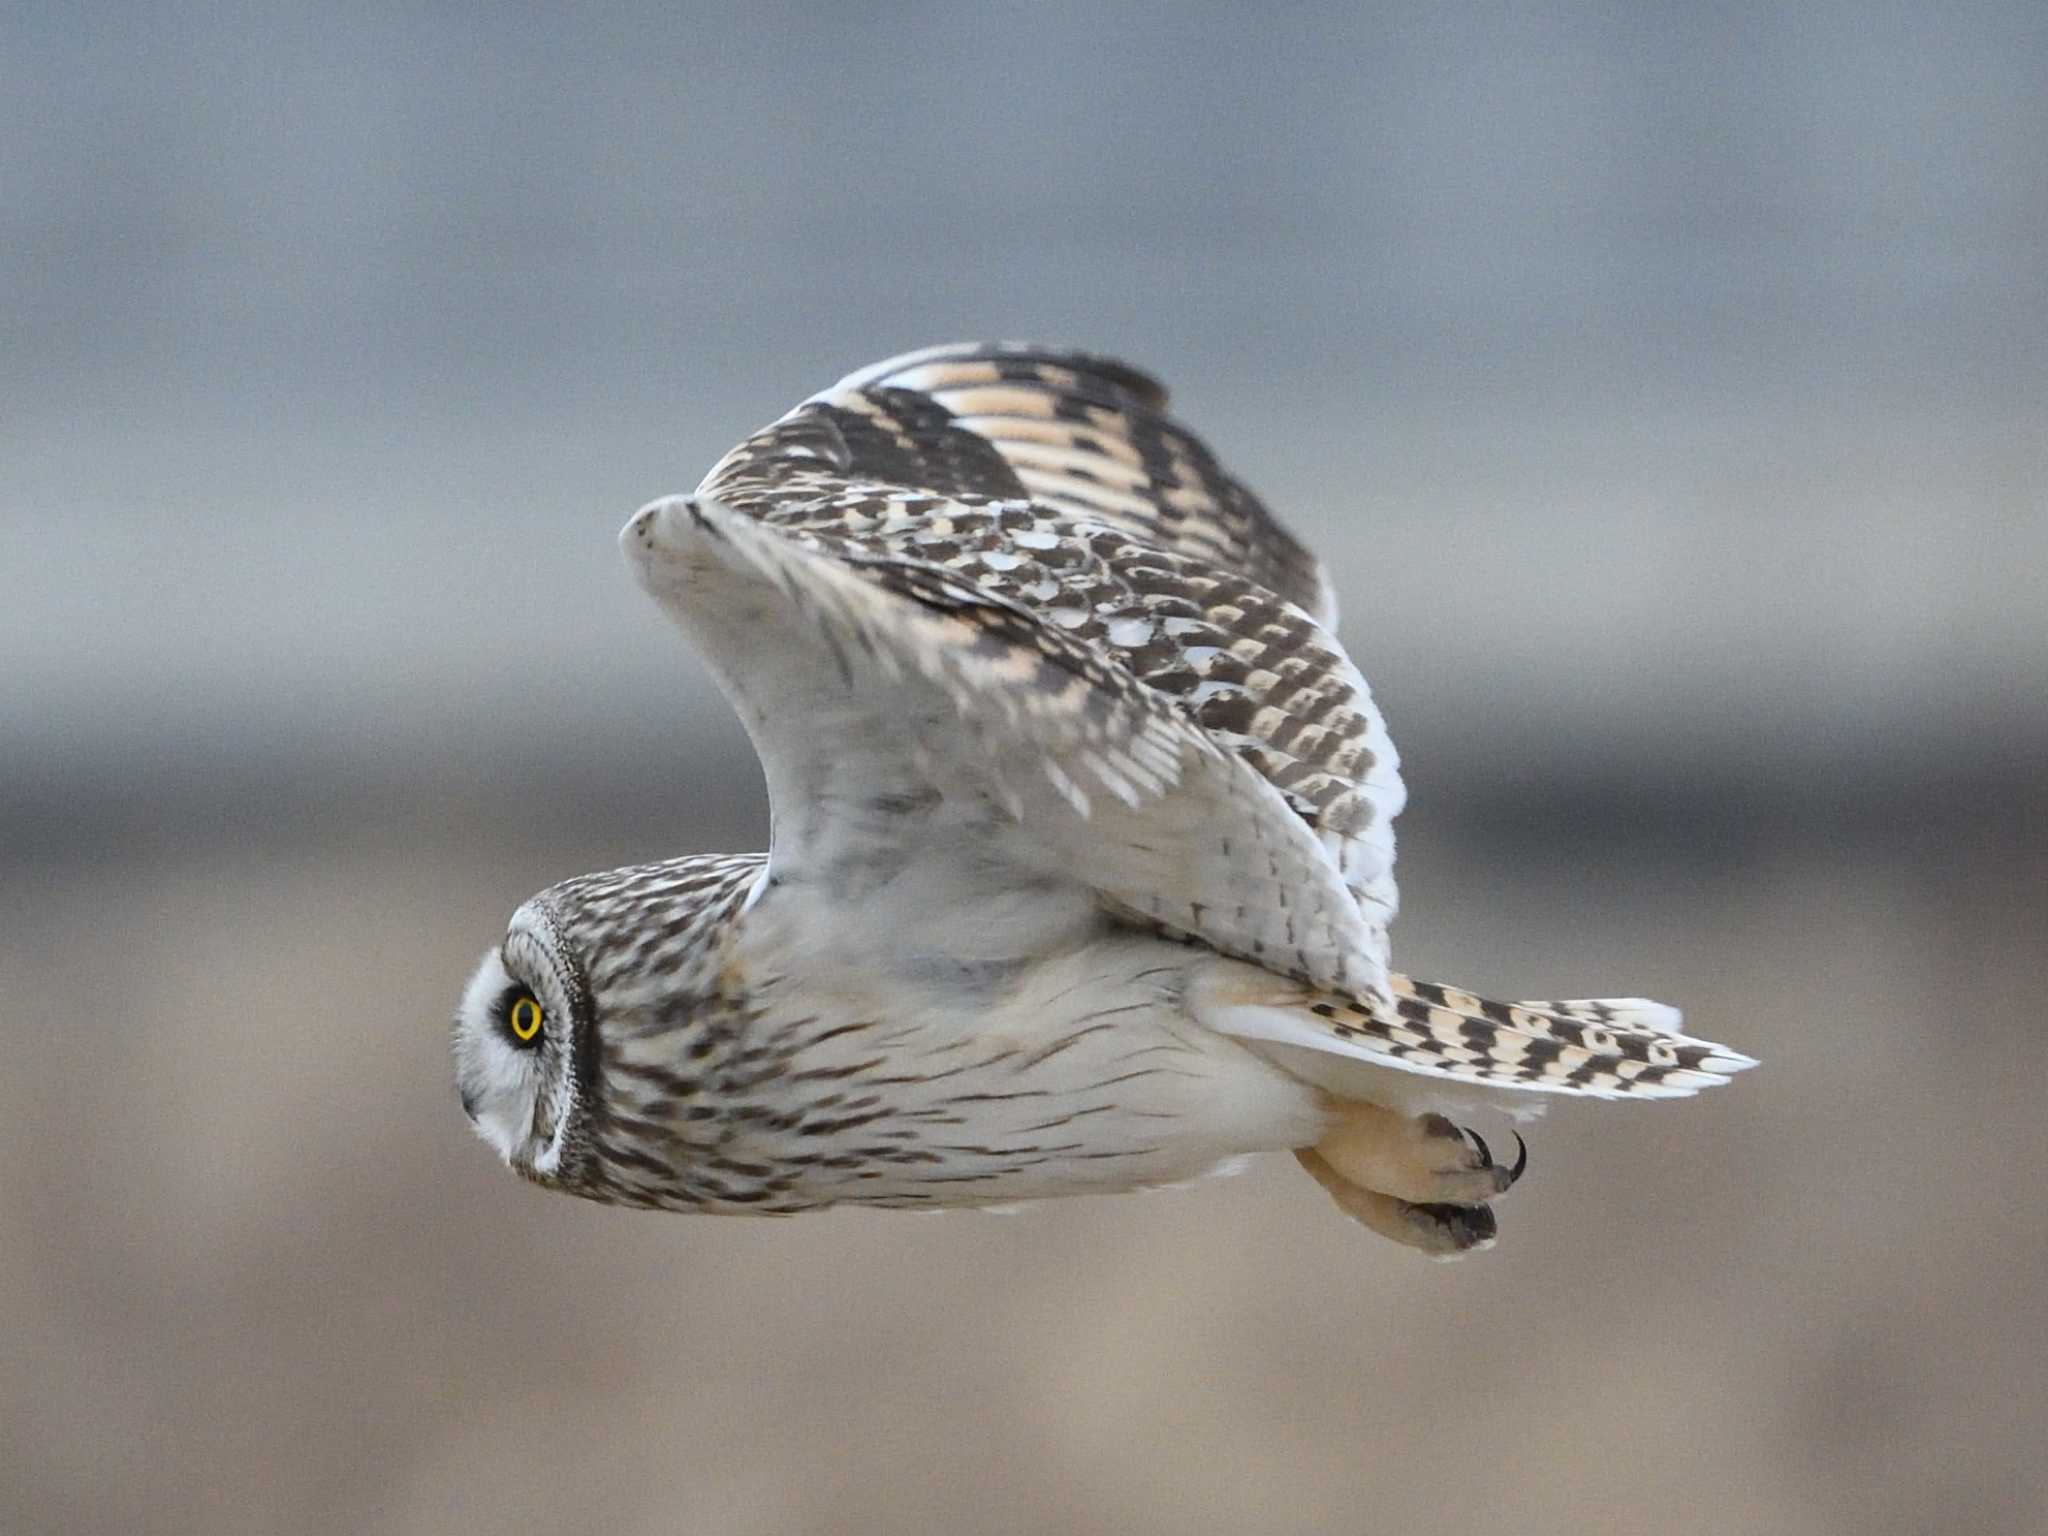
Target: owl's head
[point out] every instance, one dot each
(583, 1035)
(516, 1046)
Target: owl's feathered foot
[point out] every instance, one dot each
(1419, 1180)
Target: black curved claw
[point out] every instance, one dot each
(1485, 1152)
(1521, 1158)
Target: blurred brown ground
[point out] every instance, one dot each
(258, 1276)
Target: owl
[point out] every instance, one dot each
(1082, 854)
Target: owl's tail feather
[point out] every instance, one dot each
(1607, 1048)
(1389, 1157)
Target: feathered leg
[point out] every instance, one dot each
(1416, 1179)
(1423, 1159)
(1441, 1231)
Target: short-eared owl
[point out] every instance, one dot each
(1082, 860)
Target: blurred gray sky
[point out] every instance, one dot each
(1665, 382)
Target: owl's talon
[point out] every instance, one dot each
(1521, 1160)
(1424, 1160)
(1479, 1142)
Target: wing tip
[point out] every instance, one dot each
(1125, 377)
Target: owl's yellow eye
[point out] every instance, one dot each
(525, 1020)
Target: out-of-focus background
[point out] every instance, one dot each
(1666, 386)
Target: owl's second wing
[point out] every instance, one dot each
(1082, 436)
(937, 749)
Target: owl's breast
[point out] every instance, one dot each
(924, 1079)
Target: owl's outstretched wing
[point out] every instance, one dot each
(1086, 442)
(942, 671)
